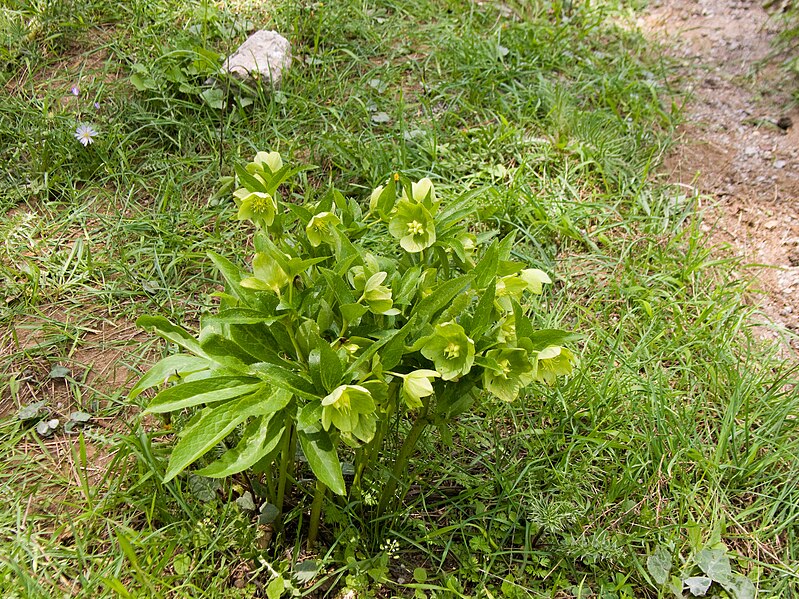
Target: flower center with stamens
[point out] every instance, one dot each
(260, 204)
(415, 228)
(453, 350)
(505, 365)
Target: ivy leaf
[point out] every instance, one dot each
(698, 585)
(31, 411)
(659, 564)
(716, 564)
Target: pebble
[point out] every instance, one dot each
(750, 150)
(780, 164)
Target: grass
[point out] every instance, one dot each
(678, 431)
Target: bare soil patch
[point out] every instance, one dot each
(740, 140)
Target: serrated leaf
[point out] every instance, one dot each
(352, 312)
(440, 296)
(259, 439)
(486, 269)
(319, 450)
(395, 349)
(285, 379)
(214, 424)
(330, 366)
(176, 365)
(659, 565)
(171, 332)
(483, 312)
(549, 337)
(205, 391)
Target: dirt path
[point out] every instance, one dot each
(740, 141)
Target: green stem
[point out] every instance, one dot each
(387, 499)
(316, 513)
(286, 458)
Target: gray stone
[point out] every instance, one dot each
(264, 54)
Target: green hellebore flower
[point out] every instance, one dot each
(416, 385)
(264, 161)
(350, 408)
(552, 362)
(413, 225)
(509, 288)
(377, 296)
(319, 228)
(514, 372)
(420, 189)
(374, 198)
(257, 206)
(534, 279)
(450, 350)
(268, 275)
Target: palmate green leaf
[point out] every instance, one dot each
(259, 342)
(225, 352)
(340, 289)
(195, 393)
(285, 379)
(238, 316)
(171, 332)
(176, 365)
(549, 337)
(248, 180)
(486, 269)
(214, 424)
(483, 312)
(395, 349)
(330, 366)
(440, 297)
(317, 446)
(260, 438)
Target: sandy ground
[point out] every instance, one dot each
(740, 141)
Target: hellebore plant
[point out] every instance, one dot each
(345, 326)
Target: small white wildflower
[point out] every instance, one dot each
(85, 134)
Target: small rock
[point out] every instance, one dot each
(786, 311)
(750, 150)
(780, 164)
(785, 123)
(264, 54)
(770, 225)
